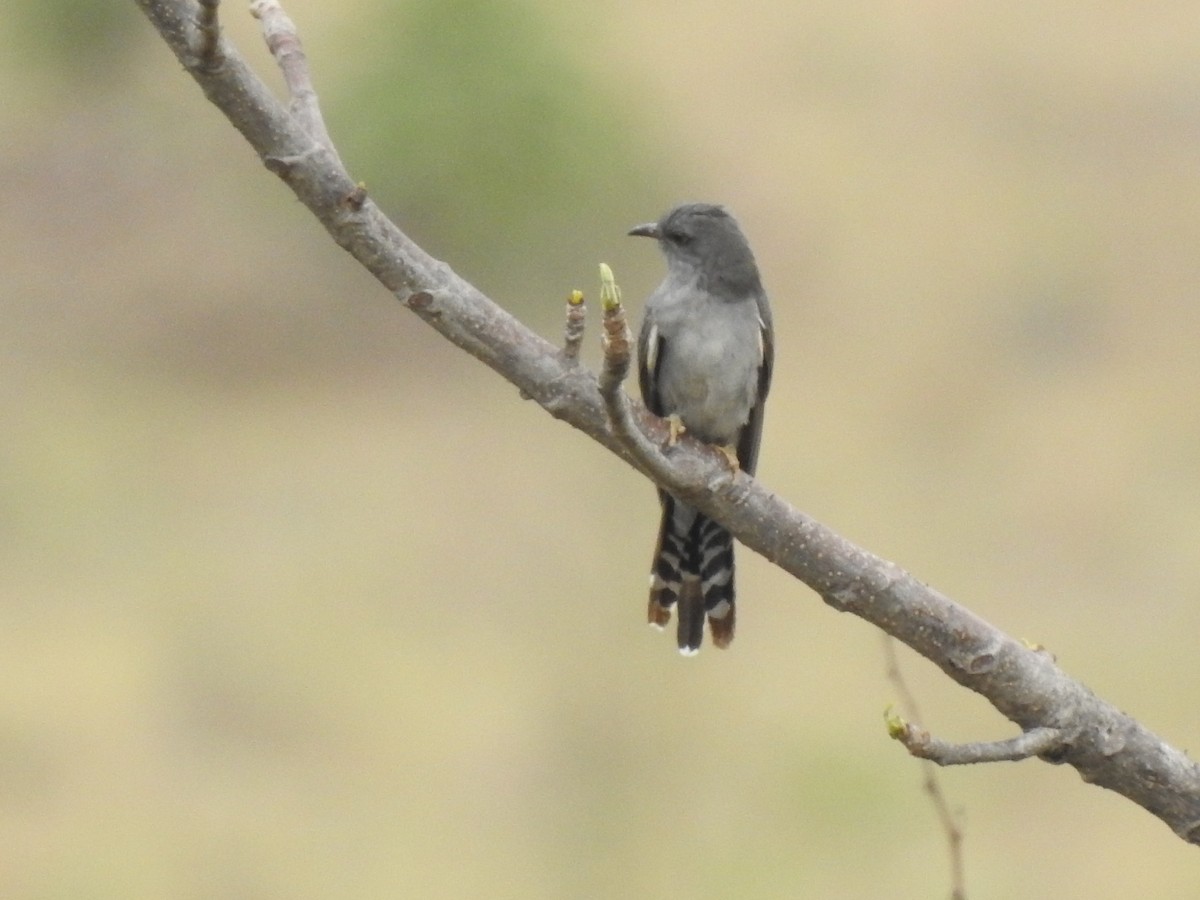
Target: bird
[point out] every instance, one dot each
(705, 354)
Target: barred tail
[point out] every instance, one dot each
(692, 569)
(716, 578)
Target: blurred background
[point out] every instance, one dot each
(297, 600)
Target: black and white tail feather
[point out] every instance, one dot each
(693, 571)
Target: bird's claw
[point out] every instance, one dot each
(675, 428)
(730, 454)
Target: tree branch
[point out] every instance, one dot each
(1106, 746)
(922, 744)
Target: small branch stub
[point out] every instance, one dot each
(209, 48)
(617, 336)
(357, 198)
(921, 744)
(615, 342)
(573, 332)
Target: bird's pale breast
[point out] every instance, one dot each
(709, 374)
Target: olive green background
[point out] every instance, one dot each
(297, 600)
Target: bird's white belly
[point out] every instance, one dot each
(708, 387)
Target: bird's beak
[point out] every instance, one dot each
(650, 230)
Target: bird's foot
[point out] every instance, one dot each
(675, 428)
(730, 454)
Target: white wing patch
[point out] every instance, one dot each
(652, 349)
(762, 350)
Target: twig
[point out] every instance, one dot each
(573, 331)
(920, 743)
(208, 49)
(950, 822)
(616, 343)
(283, 40)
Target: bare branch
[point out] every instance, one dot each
(950, 823)
(1035, 742)
(1106, 746)
(279, 31)
(573, 332)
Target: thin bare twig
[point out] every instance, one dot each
(573, 331)
(617, 343)
(283, 40)
(950, 821)
(1034, 742)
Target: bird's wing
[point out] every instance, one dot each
(650, 353)
(747, 450)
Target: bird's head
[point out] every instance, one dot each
(703, 242)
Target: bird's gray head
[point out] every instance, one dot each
(703, 243)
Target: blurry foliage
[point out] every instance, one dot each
(474, 125)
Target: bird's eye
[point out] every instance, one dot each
(679, 238)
